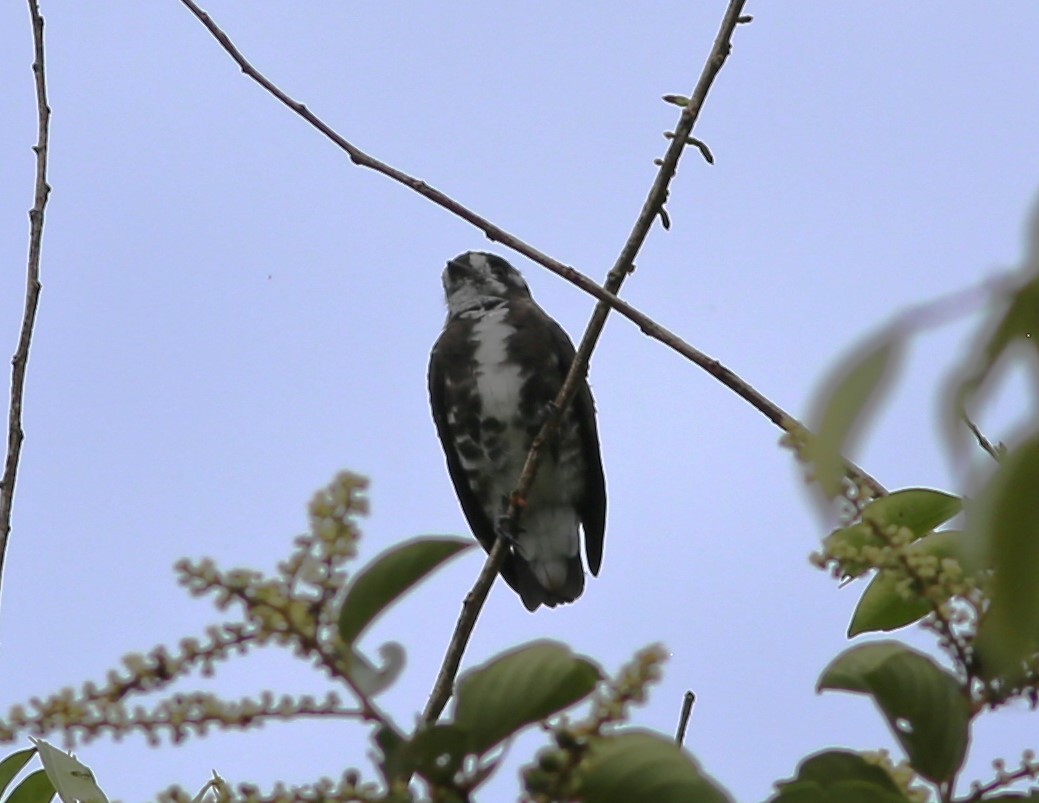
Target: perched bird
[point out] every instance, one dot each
(493, 375)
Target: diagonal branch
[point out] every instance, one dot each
(497, 234)
(652, 207)
(15, 434)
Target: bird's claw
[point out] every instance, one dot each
(548, 409)
(507, 530)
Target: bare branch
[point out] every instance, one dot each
(19, 362)
(362, 159)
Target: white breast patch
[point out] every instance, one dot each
(498, 382)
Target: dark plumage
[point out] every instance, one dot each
(494, 370)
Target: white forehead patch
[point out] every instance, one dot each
(479, 261)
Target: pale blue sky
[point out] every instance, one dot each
(232, 313)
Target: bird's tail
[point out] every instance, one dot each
(538, 587)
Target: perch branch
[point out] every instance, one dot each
(15, 434)
(497, 234)
(607, 297)
(651, 209)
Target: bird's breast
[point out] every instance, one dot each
(499, 380)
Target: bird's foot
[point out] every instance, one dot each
(504, 532)
(507, 527)
(548, 409)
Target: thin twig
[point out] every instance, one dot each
(683, 719)
(983, 442)
(622, 267)
(15, 434)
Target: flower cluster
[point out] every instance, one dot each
(555, 774)
(901, 773)
(349, 789)
(296, 608)
(630, 687)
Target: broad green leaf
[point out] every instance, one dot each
(638, 765)
(923, 704)
(371, 679)
(1006, 521)
(919, 509)
(72, 779)
(839, 776)
(520, 687)
(882, 607)
(831, 766)
(1019, 321)
(37, 788)
(840, 792)
(390, 576)
(1014, 322)
(394, 762)
(437, 753)
(12, 765)
(844, 403)
(850, 540)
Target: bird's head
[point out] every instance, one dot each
(475, 279)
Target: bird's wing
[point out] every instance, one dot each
(593, 505)
(441, 400)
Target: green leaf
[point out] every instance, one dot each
(1007, 523)
(1019, 322)
(390, 576)
(844, 403)
(850, 540)
(394, 763)
(923, 704)
(37, 788)
(882, 607)
(839, 776)
(72, 779)
(520, 687)
(841, 792)
(919, 509)
(832, 766)
(437, 753)
(372, 679)
(638, 765)
(12, 765)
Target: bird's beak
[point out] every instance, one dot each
(457, 269)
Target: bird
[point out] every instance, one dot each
(494, 374)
